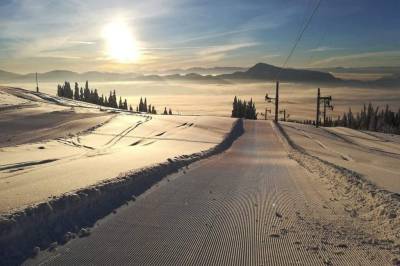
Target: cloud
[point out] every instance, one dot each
(255, 24)
(67, 34)
(374, 58)
(175, 48)
(204, 48)
(60, 56)
(271, 56)
(324, 49)
(211, 58)
(216, 35)
(225, 48)
(184, 55)
(203, 55)
(82, 42)
(30, 21)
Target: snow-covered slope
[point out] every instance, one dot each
(93, 147)
(374, 155)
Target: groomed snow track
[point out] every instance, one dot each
(251, 205)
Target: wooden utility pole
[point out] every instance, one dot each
(277, 101)
(325, 113)
(37, 84)
(318, 101)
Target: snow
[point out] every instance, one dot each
(59, 158)
(7, 99)
(34, 171)
(373, 155)
(359, 168)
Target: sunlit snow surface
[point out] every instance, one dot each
(116, 143)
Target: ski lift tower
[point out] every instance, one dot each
(326, 100)
(267, 110)
(276, 99)
(284, 114)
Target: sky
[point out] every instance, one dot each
(155, 35)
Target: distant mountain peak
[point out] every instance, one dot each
(258, 65)
(263, 71)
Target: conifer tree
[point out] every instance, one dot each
(81, 95)
(67, 92)
(240, 108)
(254, 112)
(91, 96)
(76, 92)
(86, 92)
(235, 107)
(114, 97)
(109, 99)
(120, 104)
(141, 105)
(370, 118)
(248, 109)
(59, 90)
(243, 109)
(95, 97)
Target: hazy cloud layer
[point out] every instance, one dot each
(43, 35)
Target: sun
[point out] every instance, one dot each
(121, 45)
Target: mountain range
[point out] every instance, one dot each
(204, 71)
(258, 72)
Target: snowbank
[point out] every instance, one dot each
(375, 157)
(377, 207)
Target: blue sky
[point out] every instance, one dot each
(41, 35)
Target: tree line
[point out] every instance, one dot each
(370, 118)
(143, 107)
(91, 96)
(169, 112)
(243, 109)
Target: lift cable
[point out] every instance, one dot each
(299, 38)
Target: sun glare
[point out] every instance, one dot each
(121, 44)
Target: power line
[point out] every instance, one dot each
(299, 38)
(305, 17)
